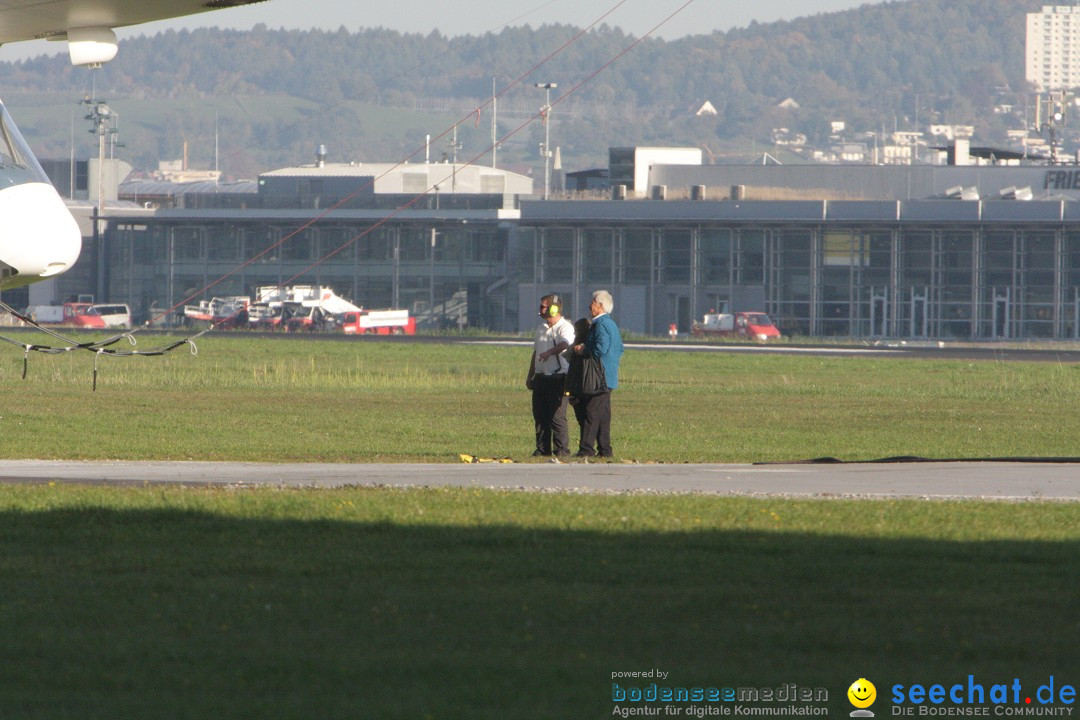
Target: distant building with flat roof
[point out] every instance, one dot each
(629, 166)
(408, 178)
(869, 182)
(999, 261)
(325, 183)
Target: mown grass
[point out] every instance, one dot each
(297, 400)
(377, 603)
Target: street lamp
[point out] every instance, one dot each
(546, 114)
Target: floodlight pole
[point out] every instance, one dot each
(103, 121)
(547, 88)
(431, 278)
(1055, 118)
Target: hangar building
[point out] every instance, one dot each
(905, 257)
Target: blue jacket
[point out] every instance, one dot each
(605, 342)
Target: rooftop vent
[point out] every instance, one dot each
(962, 193)
(1015, 193)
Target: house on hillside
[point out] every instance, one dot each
(953, 132)
(705, 109)
(784, 136)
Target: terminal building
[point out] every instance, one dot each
(945, 252)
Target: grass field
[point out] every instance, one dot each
(291, 400)
(379, 603)
(468, 604)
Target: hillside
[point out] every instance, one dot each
(272, 95)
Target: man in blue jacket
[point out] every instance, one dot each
(605, 343)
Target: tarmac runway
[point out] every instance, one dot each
(997, 480)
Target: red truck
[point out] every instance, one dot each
(378, 322)
(749, 325)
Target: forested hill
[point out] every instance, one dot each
(871, 66)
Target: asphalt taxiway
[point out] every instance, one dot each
(985, 480)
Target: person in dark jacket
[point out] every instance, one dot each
(573, 374)
(604, 342)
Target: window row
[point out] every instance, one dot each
(269, 244)
(754, 256)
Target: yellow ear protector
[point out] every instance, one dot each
(553, 309)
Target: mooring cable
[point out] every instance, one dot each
(98, 347)
(104, 347)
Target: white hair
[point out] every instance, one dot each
(604, 298)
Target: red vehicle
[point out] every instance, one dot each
(222, 312)
(308, 318)
(378, 322)
(100, 315)
(297, 307)
(749, 325)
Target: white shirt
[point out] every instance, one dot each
(547, 337)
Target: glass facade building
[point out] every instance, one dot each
(918, 269)
(873, 269)
(439, 266)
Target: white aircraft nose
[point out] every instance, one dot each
(38, 236)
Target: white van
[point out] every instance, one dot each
(107, 315)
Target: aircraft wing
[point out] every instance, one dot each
(32, 19)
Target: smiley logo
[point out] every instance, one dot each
(862, 693)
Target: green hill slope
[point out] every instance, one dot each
(376, 94)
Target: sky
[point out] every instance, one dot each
(476, 17)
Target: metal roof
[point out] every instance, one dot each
(801, 211)
(672, 212)
(337, 170)
(423, 215)
(410, 178)
(168, 189)
(873, 182)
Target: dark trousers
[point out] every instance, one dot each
(579, 413)
(549, 414)
(596, 429)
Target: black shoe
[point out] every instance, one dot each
(584, 454)
(540, 453)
